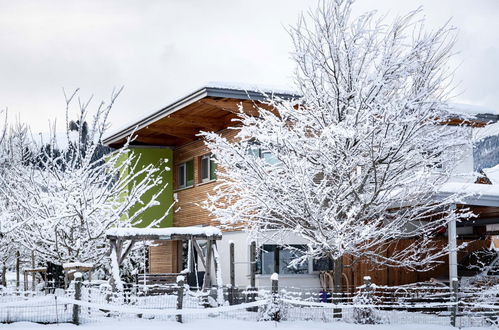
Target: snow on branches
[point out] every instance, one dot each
(353, 165)
(63, 199)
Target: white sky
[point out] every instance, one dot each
(161, 50)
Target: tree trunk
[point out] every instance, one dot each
(337, 285)
(4, 275)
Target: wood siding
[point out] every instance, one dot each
(189, 212)
(163, 257)
(397, 276)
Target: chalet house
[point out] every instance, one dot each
(172, 133)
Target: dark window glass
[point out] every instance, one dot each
(205, 168)
(276, 258)
(322, 264)
(288, 255)
(181, 175)
(213, 169)
(189, 173)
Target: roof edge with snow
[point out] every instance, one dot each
(249, 92)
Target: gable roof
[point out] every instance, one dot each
(226, 97)
(218, 95)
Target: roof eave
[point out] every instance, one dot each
(187, 100)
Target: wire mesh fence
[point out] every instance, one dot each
(91, 302)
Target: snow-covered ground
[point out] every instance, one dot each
(220, 325)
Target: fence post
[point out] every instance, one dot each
(454, 291)
(33, 274)
(180, 296)
(275, 312)
(251, 295)
(367, 284)
(76, 307)
(232, 273)
(18, 270)
(25, 276)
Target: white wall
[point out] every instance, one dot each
(242, 267)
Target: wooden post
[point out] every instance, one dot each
(454, 298)
(207, 274)
(252, 264)
(18, 269)
(25, 277)
(76, 307)
(251, 296)
(113, 249)
(33, 274)
(180, 297)
(275, 312)
(232, 273)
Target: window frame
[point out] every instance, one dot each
(210, 171)
(277, 250)
(185, 177)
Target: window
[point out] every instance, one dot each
(322, 264)
(185, 174)
(208, 168)
(276, 259)
(255, 150)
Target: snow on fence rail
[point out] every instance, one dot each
(372, 304)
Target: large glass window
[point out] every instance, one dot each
(275, 258)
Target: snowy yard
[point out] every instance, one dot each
(219, 325)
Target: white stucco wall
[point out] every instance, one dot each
(242, 267)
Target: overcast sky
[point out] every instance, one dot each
(161, 50)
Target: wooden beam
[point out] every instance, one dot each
(181, 132)
(201, 122)
(207, 274)
(160, 140)
(200, 252)
(231, 106)
(127, 251)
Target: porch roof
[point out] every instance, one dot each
(171, 233)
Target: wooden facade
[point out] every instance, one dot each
(353, 276)
(177, 127)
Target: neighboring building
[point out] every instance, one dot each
(172, 133)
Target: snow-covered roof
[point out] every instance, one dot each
(237, 91)
(471, 109)
(478, 194)
(258, 92)
(165, 233)
(72, 265)
(261, 88)
(35, 270)
(493, 175)
(484, 132)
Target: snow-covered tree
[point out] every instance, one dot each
(66, 195)
(353, 165)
